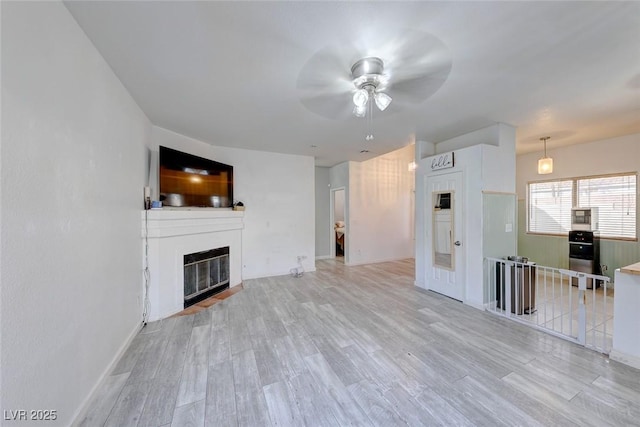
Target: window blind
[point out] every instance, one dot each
(615, 198)
(550, 206)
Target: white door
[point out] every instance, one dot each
(445, 263)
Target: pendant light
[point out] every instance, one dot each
(545, 164)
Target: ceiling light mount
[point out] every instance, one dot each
(368, 71)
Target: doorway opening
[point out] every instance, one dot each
(339, 233)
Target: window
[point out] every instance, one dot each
(550, 203)
(615, 197)
(550, 206)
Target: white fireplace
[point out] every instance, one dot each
(173, 233)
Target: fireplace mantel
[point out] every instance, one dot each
(177, 222)
(173, 233)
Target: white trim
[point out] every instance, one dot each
(475, 305)
(319, 257)
(627, 359)
(170, 223)
(280, 273)
(85, 405)
(377, 261)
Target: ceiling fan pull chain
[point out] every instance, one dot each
(370, 120)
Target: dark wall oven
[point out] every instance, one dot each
(584, 254)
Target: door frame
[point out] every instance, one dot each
(332, 232)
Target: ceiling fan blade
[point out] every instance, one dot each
(416, 65)
(330, 106)
(326, 75)
(325, 69)
(419, 68)
(416, 90)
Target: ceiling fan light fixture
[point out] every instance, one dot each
(360, 98)
(368, 77)
(382, 100)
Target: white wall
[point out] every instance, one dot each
(72, 176)
(380, 204)
(626, 319)
(279, 195)
(323, 214)
(339, 176)
(616, 155)
(423, 149)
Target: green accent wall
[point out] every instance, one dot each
(499, 210)
(552, 251)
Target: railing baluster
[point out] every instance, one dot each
(582, 313)
(570, 306)
(546, 297)
(605, 316)
(594, 312)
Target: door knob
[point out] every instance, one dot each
(457, 243)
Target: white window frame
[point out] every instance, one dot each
(574, 202)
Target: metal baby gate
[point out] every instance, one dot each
(569, 304)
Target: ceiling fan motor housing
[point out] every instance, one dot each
(368, 72)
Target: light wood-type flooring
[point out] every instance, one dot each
(358, 346)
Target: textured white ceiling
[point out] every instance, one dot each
(226, 72)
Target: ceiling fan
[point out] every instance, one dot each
(369, 80)
(395, 74)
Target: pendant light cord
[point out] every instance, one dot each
(544, 141)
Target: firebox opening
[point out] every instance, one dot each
(205, 274)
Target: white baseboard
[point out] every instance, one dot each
(377, 261)
(324, 257)
(276, 274)
(481, 307)
(84, 407)
(627, 359)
